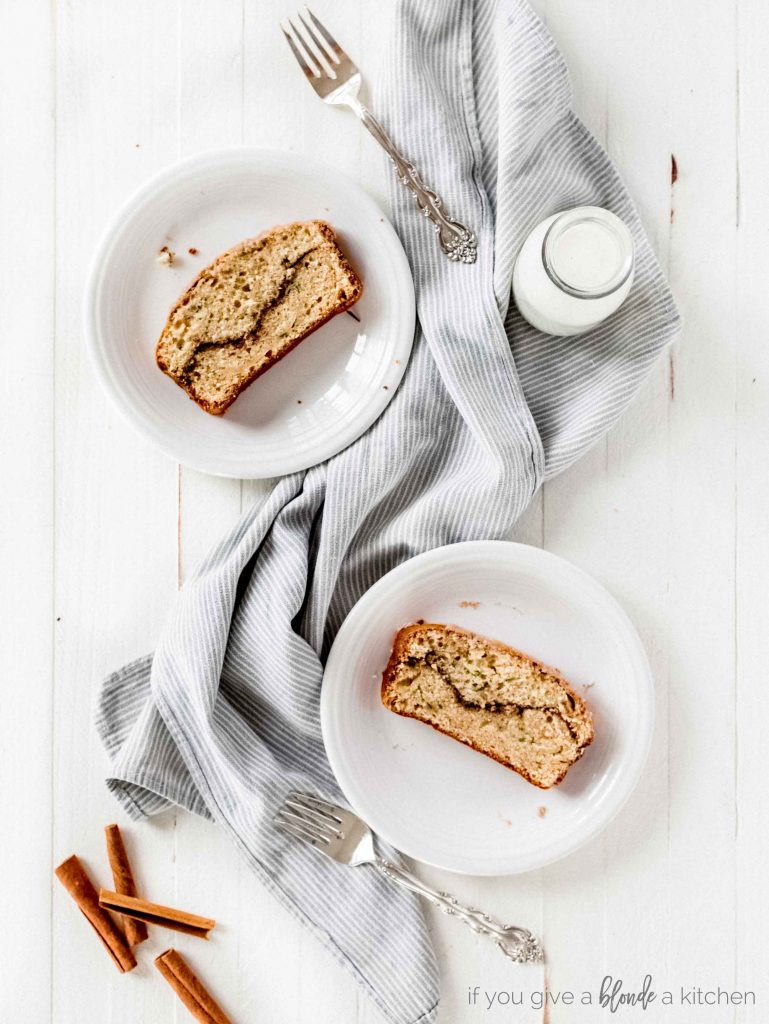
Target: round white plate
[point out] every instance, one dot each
(316, 400)
(441, 802)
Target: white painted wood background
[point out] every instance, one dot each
(670, 512)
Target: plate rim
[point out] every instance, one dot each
(643, 735)
(295, 162)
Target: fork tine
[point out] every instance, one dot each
(312, 817)
(310, 72)
(332, 58)
(333, 44)
(310, 822)
(316, 804)
(289, 817)
(299, 833)
(312, 48)
(301, 820)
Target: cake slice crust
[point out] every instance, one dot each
(490, 697)
(250, 307)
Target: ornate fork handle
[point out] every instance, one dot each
(457, 241)
(517, 943)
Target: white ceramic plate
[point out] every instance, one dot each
(441, 802)
(321, 396)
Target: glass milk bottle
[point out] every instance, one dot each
(574, 270)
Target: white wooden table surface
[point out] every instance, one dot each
(670, 512)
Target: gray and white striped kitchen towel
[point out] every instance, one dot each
(224, 719)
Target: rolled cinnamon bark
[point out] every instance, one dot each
(73, 877)
(189, 988)
(123, 879)
(154, 913)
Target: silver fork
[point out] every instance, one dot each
(337, 80)
(344, 837)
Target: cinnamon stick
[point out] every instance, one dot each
(154, 913)
(189, 988)
(73, 877)
(123, 880)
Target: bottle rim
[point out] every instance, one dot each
(608, 221)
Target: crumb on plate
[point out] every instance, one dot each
(166, 257)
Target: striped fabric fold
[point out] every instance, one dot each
(224, 719)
